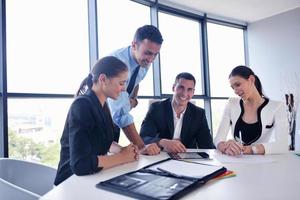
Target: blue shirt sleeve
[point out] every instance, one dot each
(120, 110)
(121, 106)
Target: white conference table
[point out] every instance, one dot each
(266, 180)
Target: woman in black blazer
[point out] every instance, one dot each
(88, 132)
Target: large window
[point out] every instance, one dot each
(180, 51)
(35, 127)
(47, 53)
(226, 50)
(117, 23)
(139, 114)
(47, 45)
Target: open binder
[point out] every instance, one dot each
(166, 179)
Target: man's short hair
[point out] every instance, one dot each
(148, 32)
(185, 75)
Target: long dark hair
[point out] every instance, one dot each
(109, 65)
(245, 72)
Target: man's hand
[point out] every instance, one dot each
(172, 146)
(133, 97)
(133, 102)
(150, 149)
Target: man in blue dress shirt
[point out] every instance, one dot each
(138, 57)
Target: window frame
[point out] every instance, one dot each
(155, 7)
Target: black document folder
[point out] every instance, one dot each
(159, 181)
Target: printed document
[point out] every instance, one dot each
(184, 168)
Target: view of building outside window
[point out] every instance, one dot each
(51, 56)
(35, 128)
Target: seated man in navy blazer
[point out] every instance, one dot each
(176, 124)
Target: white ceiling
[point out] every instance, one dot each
(241, 10)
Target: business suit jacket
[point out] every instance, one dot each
(158, 124)
(274, 135)
(87, 134)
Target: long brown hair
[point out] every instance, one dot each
(109, 65)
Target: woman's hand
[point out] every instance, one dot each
(231, 147)
(260, 149)
(129, 153)
(247, 150)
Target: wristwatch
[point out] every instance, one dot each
(254, 149)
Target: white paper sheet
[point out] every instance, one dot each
(184, 168)
(249, 159)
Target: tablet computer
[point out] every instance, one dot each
(189, 155)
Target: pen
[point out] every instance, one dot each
(198, 163)
(241, 140)
(175, 175)
(240, 136)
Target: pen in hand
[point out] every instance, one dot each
(241, 141)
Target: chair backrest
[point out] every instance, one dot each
(11, 192)
(36, 178)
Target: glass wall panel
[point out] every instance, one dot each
(226, 51)
(35, 127)
(217, 108)
(47, 45)
(117, 23)
(138, 113)
(180, 51)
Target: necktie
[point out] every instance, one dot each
(132, 80)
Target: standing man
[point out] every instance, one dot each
(138, 57)
(176, 124)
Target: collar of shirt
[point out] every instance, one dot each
(132, 65)
(177, 123)
(132, 62)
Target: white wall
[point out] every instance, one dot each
(274, 55)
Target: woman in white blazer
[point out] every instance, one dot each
(259, 125)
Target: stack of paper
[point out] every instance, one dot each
(190, 169)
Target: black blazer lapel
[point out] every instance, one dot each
(187, 118)
(100, 110)
(169, 118)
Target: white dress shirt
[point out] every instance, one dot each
(177, 123)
